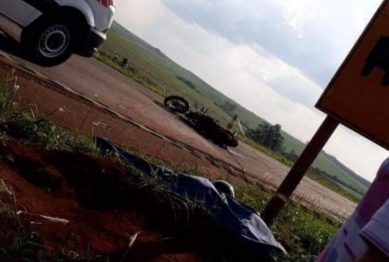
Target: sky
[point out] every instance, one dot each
(274, 57)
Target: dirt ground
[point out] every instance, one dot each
(97, 81)
(101, 204)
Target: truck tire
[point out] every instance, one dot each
(50, 41)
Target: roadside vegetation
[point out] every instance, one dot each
(265, 137)
(268, 138)
(165, 77)
(303, 235)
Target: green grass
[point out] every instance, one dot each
(159, 73)
(303, 235)
(21, 244)
(17, 243)
(340, 189)
(133, 74)
(163, 72)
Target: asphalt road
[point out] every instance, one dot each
(100, 82)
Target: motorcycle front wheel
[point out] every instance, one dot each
(176, 104)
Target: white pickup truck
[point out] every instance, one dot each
(50, 31)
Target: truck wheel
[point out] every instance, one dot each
(50, 41)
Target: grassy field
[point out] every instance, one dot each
(303, 235)
(161, 74)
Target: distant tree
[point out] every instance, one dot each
(124, 62)
(334, 178)
(102, 53)
(228, 107)
(115, 58)
(292, 155)
(186, 82)
(268, 136)
(132, 70)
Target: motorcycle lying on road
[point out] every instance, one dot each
(199, 120)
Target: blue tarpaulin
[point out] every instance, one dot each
(229, 214)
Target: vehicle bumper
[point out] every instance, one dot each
(93, 42)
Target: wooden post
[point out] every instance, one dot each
(299, 169)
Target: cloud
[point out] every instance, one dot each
(313, 36)
(138, 17)
(248, 72)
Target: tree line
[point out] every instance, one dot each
(270, 137)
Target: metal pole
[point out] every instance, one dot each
(299, 169)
